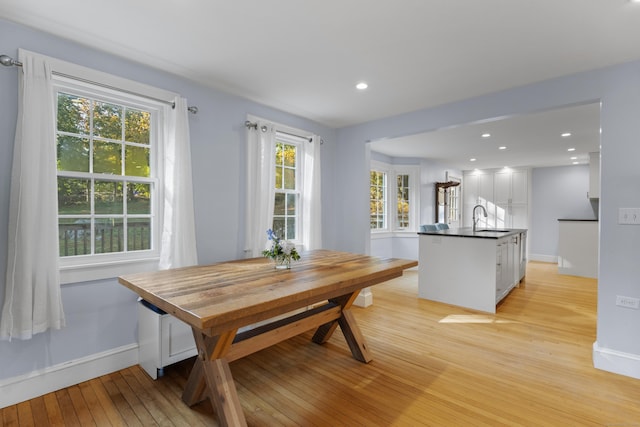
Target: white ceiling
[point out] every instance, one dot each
(305, 57)
(531, 140)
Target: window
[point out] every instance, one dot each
(286, 212)
(109, 179)
(404, 202)
(388, 183)
(105, 176)
(378, 200)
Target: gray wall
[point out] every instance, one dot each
(619, 90)
(557, 192)
(102, 315)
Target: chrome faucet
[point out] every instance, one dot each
(474, 215)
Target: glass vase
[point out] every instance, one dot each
(282, 263)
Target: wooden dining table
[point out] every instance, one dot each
(237, 308)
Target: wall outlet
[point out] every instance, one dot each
(628, 302)
(629, 216)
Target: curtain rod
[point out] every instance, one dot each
(252, 125)
(7, 61)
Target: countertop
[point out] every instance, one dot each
(468, 232)
(578, 219)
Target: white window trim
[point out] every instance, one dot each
(103, 266)
(392, 172)
(377, 166)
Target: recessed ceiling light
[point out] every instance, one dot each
(362, 86)
(502, 148)
(566, 135)
(486, 135)
(574, 158)
(571, 149)
(472, 160)
(576, 163)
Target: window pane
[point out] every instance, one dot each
(278, 208)
(136, 161)
(279, 227)
(279, 154)
(107, 158)
(74, 196)
(278, 177)
(290, 155)
(139, 234)
(107, 120)
(73, 153)
(136, 126)
(377, 200)
(139, 199)
(291, 228)
(290, 179)
(291, 204)
(73, 114)
(108, 235)
(108, 197)
(403, 201)
(74, 236)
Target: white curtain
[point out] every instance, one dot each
(178, 247)
(260, 187)
(312, 204)
(33, 301)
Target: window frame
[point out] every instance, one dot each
(285, 138)
(76, 79)
(393, 171)
(383, 169)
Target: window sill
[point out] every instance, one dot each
(105, 270)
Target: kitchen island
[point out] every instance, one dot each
(473, 269)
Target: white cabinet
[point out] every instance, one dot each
(162, 340)
(521, 256)
(503, 192)
(594, 175)
(504, 267)
(478, 190)
(511, 195)
(511, 263)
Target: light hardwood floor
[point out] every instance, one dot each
(434, 364)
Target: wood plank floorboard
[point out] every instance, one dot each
(433, 364)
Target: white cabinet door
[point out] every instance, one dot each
(478, 190)
(503, 268)
(511, 187)
(502, 182)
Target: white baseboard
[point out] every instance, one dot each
(616, 361)
(543, 258)
(37, 383)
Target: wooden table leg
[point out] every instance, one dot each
(211, 374)
(352, 334)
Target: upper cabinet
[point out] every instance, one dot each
(503, 192)
(477, 189)
(511, 187)
(594, 175)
